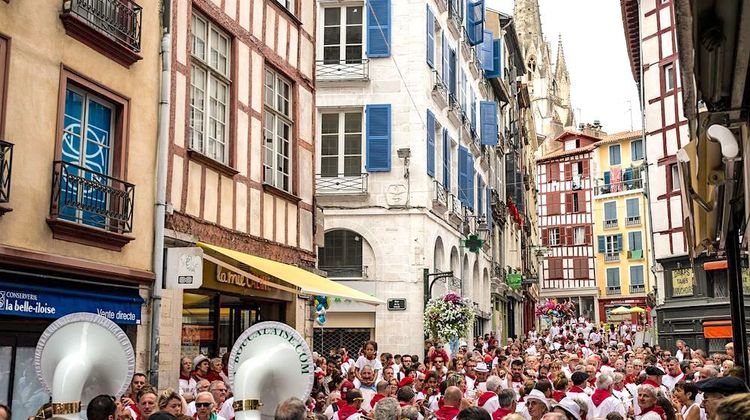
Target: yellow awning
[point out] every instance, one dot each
(306, 281)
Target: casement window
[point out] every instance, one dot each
(579, 235)
(668, 72)
(342, 254)
(277, 129)
(610, 214)
(675, 175)
(431, 37)
(554, 236)
(555, 268)
(577, 206)
(637, 284)
(633, 212)
(341, 144)
(287, 4)
(636, 150)
(613, 280)
(614, 154)
(342, 35)
(613, 244)
(446, 159)
(210, 89)
(635, 241)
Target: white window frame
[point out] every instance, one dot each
(632, 149)
(287, 4)
(669, 77)
(609, 244)
(341, 134)
(581, 229)
(215, 65)
(343, 26)
(280, 112)
(554, 236)
(675, 173)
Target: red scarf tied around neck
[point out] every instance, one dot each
(576, 389)
(558, 395)
(485, 397)
(656, 409)
(599, 396)
(346, 410)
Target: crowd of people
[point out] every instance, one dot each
(573, 370)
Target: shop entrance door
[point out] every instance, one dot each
(19, 387)
(235, 319)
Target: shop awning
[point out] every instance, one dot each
(121, 306)
(306, 281)
(717, 329)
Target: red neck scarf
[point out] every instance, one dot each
(656, 409)
(558, 395)
(185, 377)
(447, 413)
(629, 379)
(576, 389)
(485, 397)
(500, 413)
(599, 396)
(676, 376)
(375, 400)
(651, 382)
(346, 410)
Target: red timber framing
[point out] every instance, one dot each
(566, 221)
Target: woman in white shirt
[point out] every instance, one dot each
(684, 402)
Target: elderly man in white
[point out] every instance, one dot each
(604, 401)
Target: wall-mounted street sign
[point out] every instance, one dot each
(397, 304)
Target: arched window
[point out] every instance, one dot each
(342, 254)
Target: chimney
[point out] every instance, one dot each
(593, 130)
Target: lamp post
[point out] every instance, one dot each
(429, 280)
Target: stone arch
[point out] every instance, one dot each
(466, 282)
(486, 287)
(348, 269)
(438, 257)
(370, 238)
(476, 282)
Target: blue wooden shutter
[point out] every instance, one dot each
(430, 38)
(446, 160)
(470, 180)
(446, 71)
(480, 196)
(465, 88)
(463, 175)
(430, 143)
(489, 209)
(488, 122)
(619, 242)
(606, 178)
(494, 59)
(486, 51)
(378, 28)
(378, 134)
(474, 21)
(453, 58)
(601, 241)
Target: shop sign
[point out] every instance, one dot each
(514, 280)
(184, 268)
(230, 277)
(682, 282)
(47, 302)
(397, 304)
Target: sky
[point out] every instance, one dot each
(594, 43)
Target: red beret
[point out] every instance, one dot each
(408, 380)
(488, 358)
(345, 387)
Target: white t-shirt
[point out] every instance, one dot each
(374, 363)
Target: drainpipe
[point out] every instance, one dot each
(161, 190)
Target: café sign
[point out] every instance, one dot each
(230, 277)
(682, 282)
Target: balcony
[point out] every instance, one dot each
(454, 109)
(341, 184)
(112, 27)
(455, 18)
(442, 5)
(439, 90)
(6, 169)
(610, 224)
(90, 207)
(613, 290)
(353, 70)
(612, 256)
(346, 271)
(633, 221)
(455, 209)
(635, 254)
(624, 186)
(440, 198)
(637, 288)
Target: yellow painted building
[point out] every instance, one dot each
(621, 228)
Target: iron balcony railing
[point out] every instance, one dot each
(345, 271)
(611, 188)
(454, 206)
(612, 256)
(90, 198)
(637, 288)
(341, 184)
(342, 69)
(119, 19)
(6, 168)
(633, 221)
(613, 290)
(610, 224)
(440, 196)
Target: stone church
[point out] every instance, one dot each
(549, 83)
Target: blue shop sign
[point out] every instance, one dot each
(122, 307)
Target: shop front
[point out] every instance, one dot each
(29, 302)
(607, 305)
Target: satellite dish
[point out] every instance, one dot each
(269, 363)
(80, 356)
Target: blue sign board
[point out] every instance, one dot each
(122, 307)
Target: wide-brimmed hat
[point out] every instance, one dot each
(570, 407)
(481, 367)
(198, 360)
(536, 394)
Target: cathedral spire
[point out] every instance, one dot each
(561, 68)
(528, 23)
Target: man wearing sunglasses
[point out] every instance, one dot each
(204, 405)
(203, 386)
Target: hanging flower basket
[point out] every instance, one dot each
(552, 310)
(448, 318)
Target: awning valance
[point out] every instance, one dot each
(305, 281)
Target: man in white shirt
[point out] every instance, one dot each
(674, 374)
(603, 399)
(681, 350)
(488, 400)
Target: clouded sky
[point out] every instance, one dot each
(594, 45)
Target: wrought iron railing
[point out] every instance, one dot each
(440, 195)
(119, 19)
(633, 221)
(6, 168)
(637, 288)
(612, 256)
(611, 188)
(610, 224)
(613, 290)
(346, 271)
(454, 12)
(341, 184)
(441, 5)
(342, 69)
(454, 206)
(90, 198)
